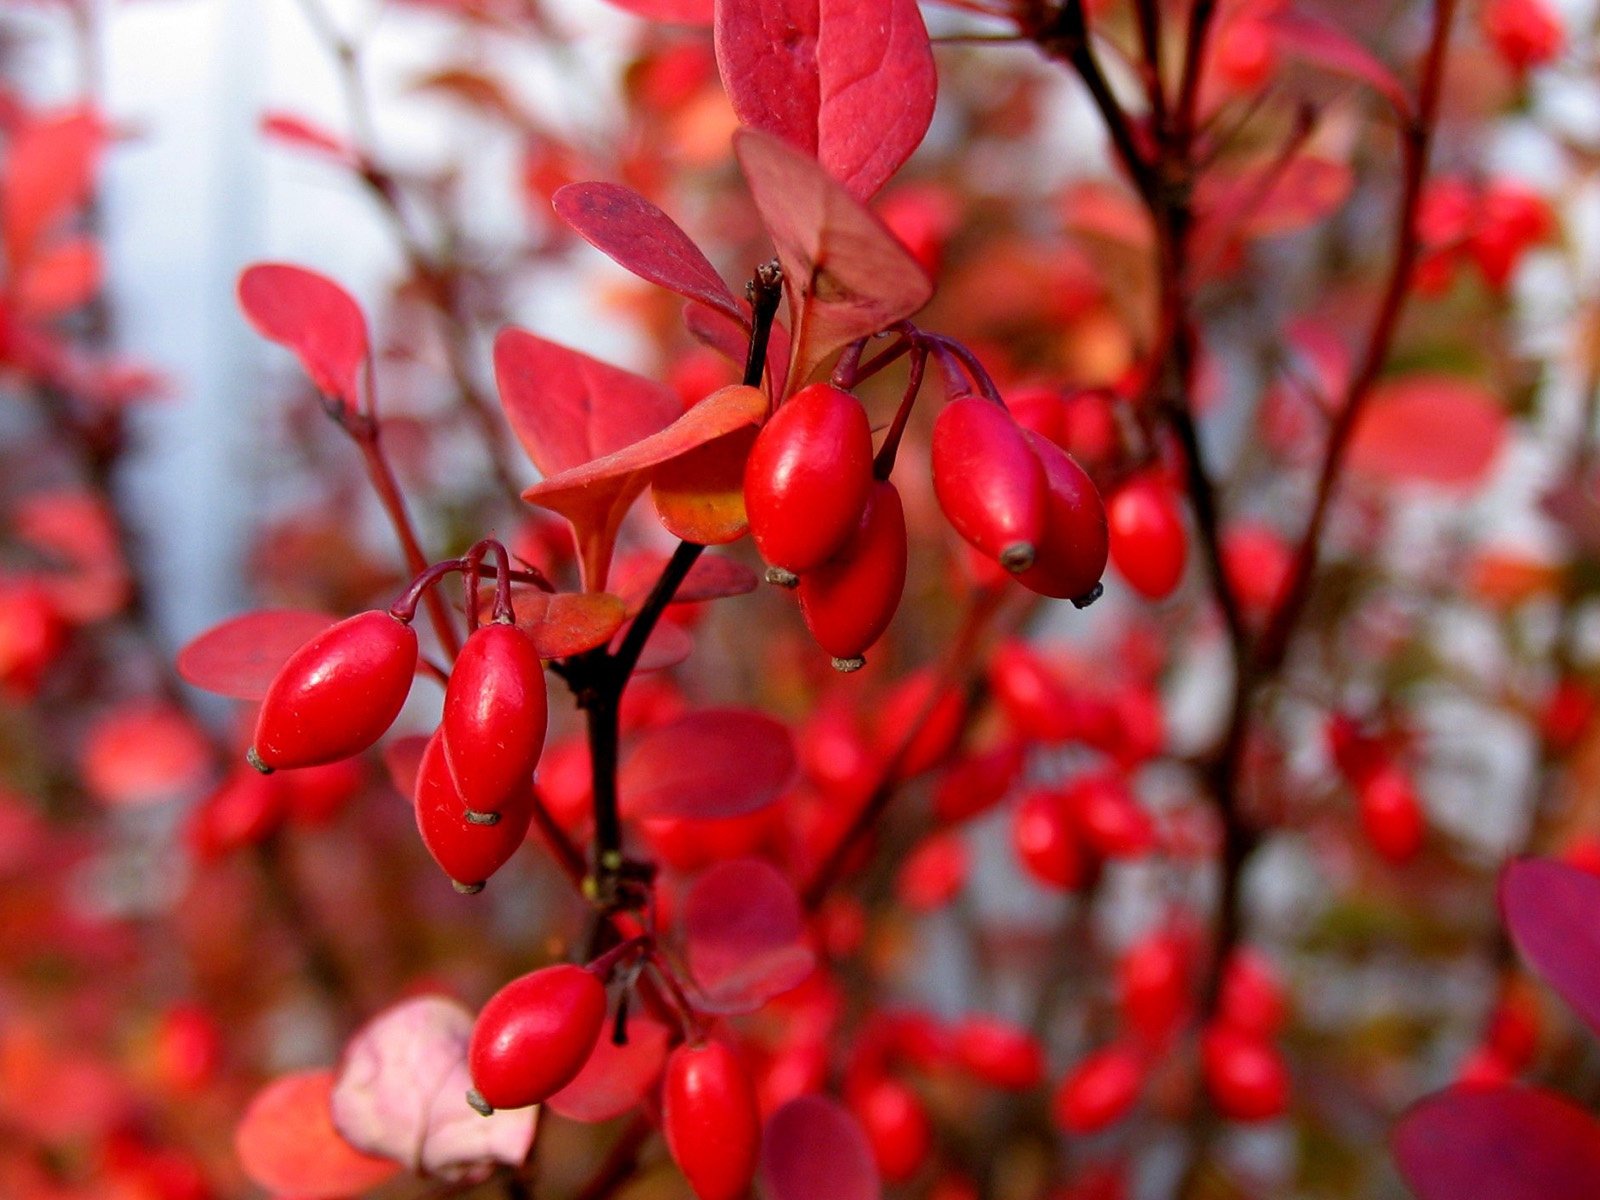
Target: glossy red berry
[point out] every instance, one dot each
(1001, 1054)
(1034, 701)
(1245, 1075)
(1148, 542)
(711, 1121)
(1252, 998)
(1046, 840)
(808, 477)
(495, 713)
(1109, 816)
(1072, 554)
(941, 708)
(1391, 816)
(849, 600)
(897, 1127)
(534, 1036)
(988, 481)
(467, 851)
(337, 694)
(1524, 33)
(1100, 1090)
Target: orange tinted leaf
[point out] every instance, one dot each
(48, 172)
(699, 496)
(1429, 429)
(568, 622)
(287, 1144)
(63, 278)
(845, 274)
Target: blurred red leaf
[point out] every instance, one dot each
(287, 1144)
(143, 752)
(76, 530)
(401, 1094)
(60, 279)
(813, 1147)
(616, 1078)
(313, 317)
(678, 12)
(49, 169)
(845, 274)
(712, 577)
(1553, 913)
(731, 339)
(745, 934)
(302, 134)
(240, 656)
(1507, 1143)
(1273, 198)
(636, 234)
(668, 645)
(568, 622)
(849, 82)
(1322, 45)
(717, 762)
(596, 494)
(1429, 429)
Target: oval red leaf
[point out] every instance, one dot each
(813, 1147)
(314, 318)
(850, 82)
(1429, 429)
(240, 657)
(616, 1078)
(1509, 1143)
(746, 935)
(1553, 913)
(287, 1144)
(718, 762)
(569, 622)
(637, 235)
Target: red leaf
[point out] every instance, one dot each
(240, 657)
(845, 274)
(302, 134)
(718, 762)
(287, 1144)
(1553, 913)
(1429, 429)
(1322, 45)
(314, 318)
(746, 935)
(678, 12)
(668, 645)
(1272, 199)
(813, 1147)
(711, 578)
(60, 279)
(850, 82)
(48, 172)
(1509, 1143)
(636, 234)
(401, 1093)
(595, 495)
(569, 622)
(143, 752)
(731, 339)
(616, 1078)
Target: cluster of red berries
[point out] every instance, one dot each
(536, 1033)
(829, 522)
(1489, 226)
(341, 691)
(1391, 815)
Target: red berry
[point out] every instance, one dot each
(468, 852)
(1100, 1090)
(1524, 33)
(808, 478)
(534, 1035)
(1109, 816)
(1030, 695)
(988, 481)
(1046, 841)
(1148, 541)
(933, 873)
(1001, 1054)
(1390, 813)
(244, 810)
(495, 712)
(32, 632)
(1245, 1075)
(337, 694)
(1071, 556)
(977, 783)
(896, 1125)
(1152, 983)
(710, 1118)
(1251, 998)
(936, 737)
(849, 600)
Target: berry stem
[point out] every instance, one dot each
(883, 464)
